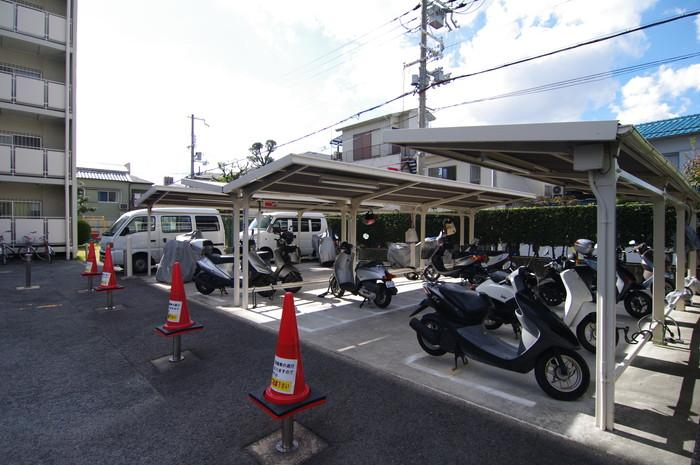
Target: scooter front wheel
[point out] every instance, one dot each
(430, 274)
(203, 287)
(335, 288)
(434, 325)
(292, 277)
(564, 376)
(638, 304)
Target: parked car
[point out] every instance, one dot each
(166, 223)
(311, 224)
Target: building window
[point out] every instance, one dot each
(362, 146)
(176, 224)
(207, 223)
(475, 174)
(673, 158)
(444, 172)
(20, 208)
(107, 196)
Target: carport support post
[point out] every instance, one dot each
(148, 239)
(343, 225)
(461, 230)
(602, 175)
(246, 252)
(472, 228)
(235, 241)
(680, 254)
(423, 216)
(297, 241)
(659, 235)
(693, 255)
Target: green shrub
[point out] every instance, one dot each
(84, 231)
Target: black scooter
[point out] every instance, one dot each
(468, 264)
(547, 345)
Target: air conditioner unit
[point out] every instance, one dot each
(123, 206)
(557, 191)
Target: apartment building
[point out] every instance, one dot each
(361, 142)
(37, 122)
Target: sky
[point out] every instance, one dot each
(281, 70)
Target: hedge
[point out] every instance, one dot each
(84, 231)
(534, 225)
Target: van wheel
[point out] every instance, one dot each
(139, 262)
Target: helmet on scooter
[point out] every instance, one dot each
(369, 218)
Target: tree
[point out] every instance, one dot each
(82, 201)
(261, 155)
(692, 168)
(229, 174)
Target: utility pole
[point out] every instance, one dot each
(423, 66)
(193, 141)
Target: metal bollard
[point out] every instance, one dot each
(287, 444)
(28, 270)
(177, 350)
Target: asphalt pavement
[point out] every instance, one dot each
(78, 386)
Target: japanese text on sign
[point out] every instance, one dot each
(284, 372)
(174, 309)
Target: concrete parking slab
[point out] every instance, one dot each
(657, 408)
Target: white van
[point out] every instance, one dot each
(311, 223)
(166, 223)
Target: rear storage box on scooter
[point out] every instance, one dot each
(584, 246)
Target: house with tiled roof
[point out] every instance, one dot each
(675, 138)
(111, 190)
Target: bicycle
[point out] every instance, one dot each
(45, 253)
(6, 250)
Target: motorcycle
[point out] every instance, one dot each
(468, 265)
(546, 345)
(210, 277)
(646, 254)
(370, 279)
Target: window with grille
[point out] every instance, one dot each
(20, 70)
(207, 223)
(475, 174)
(140, 224)
(21, 208)
(20, 140)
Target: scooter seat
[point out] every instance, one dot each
(498, 275)
(369, 263)
(219, 259)
(472, 305)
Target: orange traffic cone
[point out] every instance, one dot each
(91, 262)
(288, 385)
(178, 314)
(109, 277)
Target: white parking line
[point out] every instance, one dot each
(410, 361)
(371, 340)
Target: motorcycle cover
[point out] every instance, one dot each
(399, 254)
(343, 269)
(326, 249)
(315, 242)
(179, 251)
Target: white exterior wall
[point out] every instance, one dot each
(681, 144)
(37, 106)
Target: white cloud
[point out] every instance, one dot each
(657, 96)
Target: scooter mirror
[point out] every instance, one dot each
(365, 236)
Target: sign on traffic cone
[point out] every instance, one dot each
(91, 262)
(178, 315)
(288, 385)
(109, 277)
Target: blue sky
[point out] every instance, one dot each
(283, 69)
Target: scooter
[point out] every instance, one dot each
(646, 254)
(546, 345)
(468, 265)
(503, 305)
(371, 280)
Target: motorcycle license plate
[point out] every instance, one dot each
(390, 284)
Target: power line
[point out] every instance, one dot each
(495, 68)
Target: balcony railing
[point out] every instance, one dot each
(24, 90)
(25, 161)
(52, 227)
(33, 22)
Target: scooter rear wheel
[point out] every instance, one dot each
(382, 298)
(551, 294)
(562, 382)
(430, 274)
(335, 288)
(203, 287)
(586, 333)
(434, 325)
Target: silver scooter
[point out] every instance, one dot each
(370, 280)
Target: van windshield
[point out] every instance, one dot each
(116, 226)
(264, 222)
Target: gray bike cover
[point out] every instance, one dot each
(177, 251)
(399, 254)
(326, 248)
